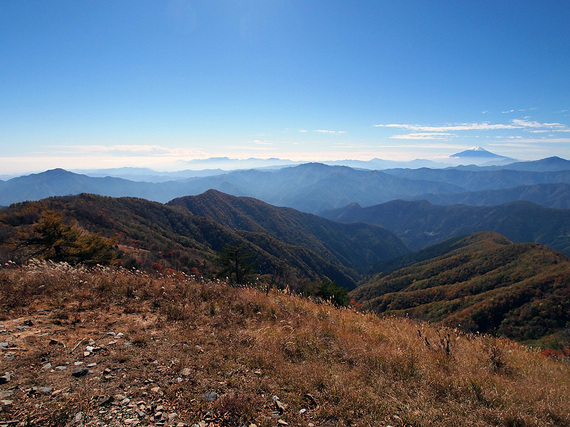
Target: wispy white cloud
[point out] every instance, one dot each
(422, 135)
(450, 128)
(330, 131)
(523, 123)
(513, 124)
(518, 110)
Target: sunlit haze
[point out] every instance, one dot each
(158, 83)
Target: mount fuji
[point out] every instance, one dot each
(481, 156)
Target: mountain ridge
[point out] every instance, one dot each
(421, 224)
(311, 187)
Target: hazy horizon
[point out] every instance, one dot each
(129, 84)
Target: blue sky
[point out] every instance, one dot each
(148, 83)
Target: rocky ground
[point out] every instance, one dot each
(94, 373)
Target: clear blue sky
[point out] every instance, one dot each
(145, 83)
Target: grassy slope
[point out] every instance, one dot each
(248, 347)
(483, 282)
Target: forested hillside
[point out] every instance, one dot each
(153, 235)
(482, 283)
(355, 245)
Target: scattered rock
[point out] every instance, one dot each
(186, 372)
(211, 396)
(105, 400)
(45, 390)
(80, 372)
(6, 378)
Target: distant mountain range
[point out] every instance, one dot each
(422, 224)
(547, 195)
(316, 187)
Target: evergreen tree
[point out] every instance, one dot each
(51, 238)
(235, 263)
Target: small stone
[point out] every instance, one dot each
(211, 396)
(61, 368)
(80, 372)
(186, 372)
(78, 417)
(105, 400)
(29, 322)
(282, 423)
(6, 402)
(46, 367)
(92, 365)
(171, 416)
(45, 390)
(5, 378)
(5, 393)
(4, 345)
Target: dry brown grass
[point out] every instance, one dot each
(341, 366)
